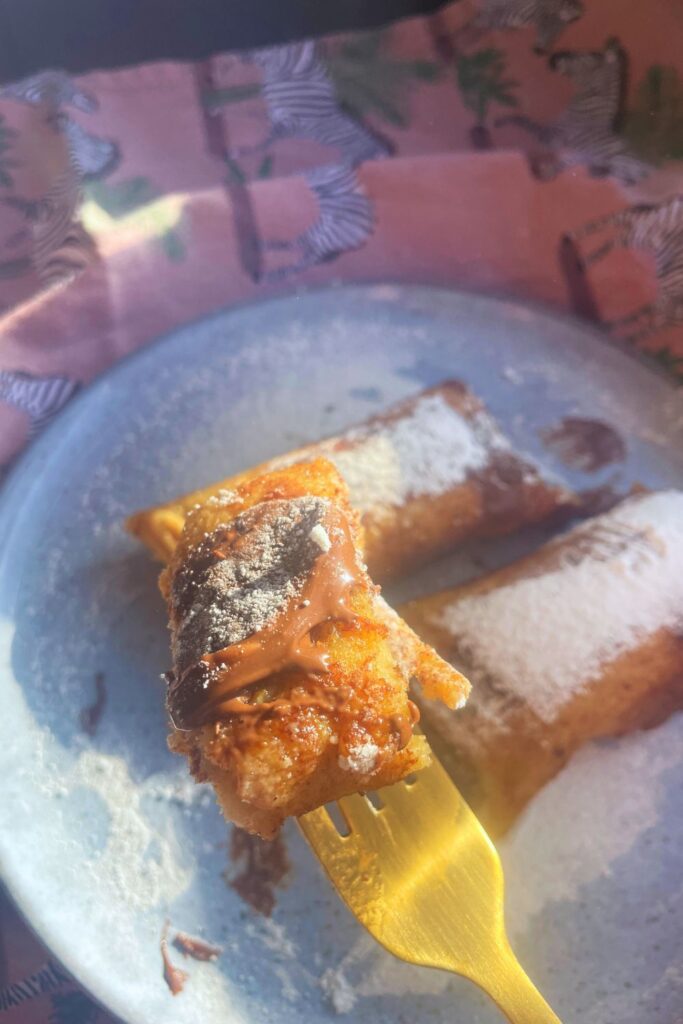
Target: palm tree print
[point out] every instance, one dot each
(482, 82)
(654, 125)
(132, 195)
(214, 99)
(238, 176)
(368, 79)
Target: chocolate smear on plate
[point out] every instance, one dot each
(91, 715)
(262, 868)
(584, 444)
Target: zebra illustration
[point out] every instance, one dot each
(93, 156)
(586, 132)
(549, 17)
(301, 102)
(60, 246)
(40, 397)
(345, 221)
(656, 228)
(49, 977)
(53, 88)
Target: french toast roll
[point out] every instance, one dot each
(427, 475)
(582, 639)
(290, 676)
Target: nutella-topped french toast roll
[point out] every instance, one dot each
(290, 677)
(431, 473)
(582, 639)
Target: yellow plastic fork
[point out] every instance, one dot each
(424, 878)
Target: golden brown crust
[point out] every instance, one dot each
(497, 498)
(499, 751)
(267, 768)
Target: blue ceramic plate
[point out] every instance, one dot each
(103, 837)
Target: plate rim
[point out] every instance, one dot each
(35, 448)
(24, 473)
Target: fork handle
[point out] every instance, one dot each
(514, 992)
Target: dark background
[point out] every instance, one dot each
(81, 35)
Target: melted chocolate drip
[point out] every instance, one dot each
(91, 715)
(263, 865)
(241, 575)
(213, 686)
(583, 444)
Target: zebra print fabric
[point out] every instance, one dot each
(301, 102)
(93, 156)
(549, 17)
(55, 89)
(586, 132)
(345, 220)
(48, 978)
(41, 398)
(61, 248)
(656, 228)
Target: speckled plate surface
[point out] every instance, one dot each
(103, 837)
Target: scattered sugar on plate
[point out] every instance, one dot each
(273, 936)
(611, 795)
(545, 637)
(289, 990)
(512, 375)
(339, 991)
(138, 863)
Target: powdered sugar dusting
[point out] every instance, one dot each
(338, 990)
(222, 498)
(425, 453)
(320, 536)
(611, 795)
(125, 864)
(361, 758)
(223, 596)
(544, 638)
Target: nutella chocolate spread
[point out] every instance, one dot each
(248, 598)
(587, 445)
(260, 868)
